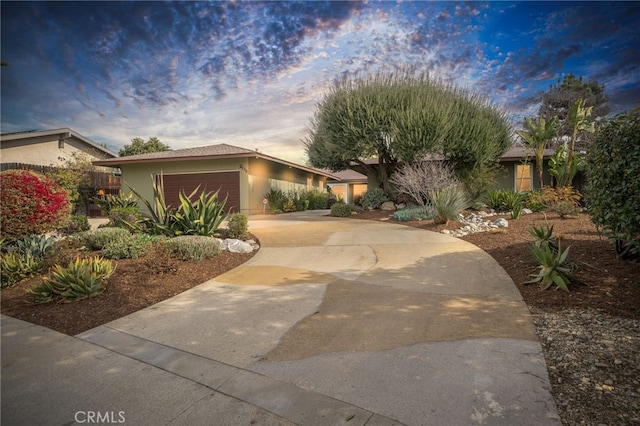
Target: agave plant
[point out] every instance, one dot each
(553, 269)
(15, 266)
(201, 217)
(81, 279)
(35, 245)
(160, 219)
(543, 237)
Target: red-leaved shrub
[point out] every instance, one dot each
(31, 204)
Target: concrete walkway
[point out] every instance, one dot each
(334, 321)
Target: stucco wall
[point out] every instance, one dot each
(266, 175)
(44, 151)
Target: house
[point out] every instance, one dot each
(242, 175)
(519, 171)
(49, 147)
(349, 185)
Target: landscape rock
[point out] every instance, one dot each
(388, 206)
(236, 246)
(501, 223)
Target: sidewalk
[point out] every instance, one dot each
(334, 321)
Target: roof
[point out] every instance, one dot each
(517, 153)
(349, 176)
(209, 152)
(64, 132)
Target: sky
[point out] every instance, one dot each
(251, 73)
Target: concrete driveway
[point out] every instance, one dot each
(334, 321)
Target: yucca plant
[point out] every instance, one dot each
(81, 279)
(553, 269)
(543, 237)
(448, 202)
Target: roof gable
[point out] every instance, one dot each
(64, 132)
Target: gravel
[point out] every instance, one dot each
(593, 360)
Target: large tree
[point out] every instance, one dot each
(403, 116)
(559, 99)
(139, 146)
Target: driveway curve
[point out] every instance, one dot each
(415, 327)
(333, 322)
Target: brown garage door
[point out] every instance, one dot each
(227, 182)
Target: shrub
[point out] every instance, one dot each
(31, 204)
(317, 200)
(565, 208)
(373, 198)
(122, 200)
(561, 194)
(123, 217)
(419, 179)
(237, 226)
(276, 199)
(448, 203)
(613, 172)
(341, 210)
(479, 180)
(16, 266)
(77, 223)
(129, 247)
(534, 201)
(512, 200)
(192, 247)
(412, 213)
(81, 279)
(495, 199)
(74, 182)
(101, 238)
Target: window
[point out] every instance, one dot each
(523, 177)
(309, 183)
(60, 143)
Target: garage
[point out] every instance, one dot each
(227, 182)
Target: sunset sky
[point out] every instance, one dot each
(250, 73)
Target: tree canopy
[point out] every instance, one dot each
(139, 146)
(559, 99)
(392, 117)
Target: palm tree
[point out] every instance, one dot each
(539, 133)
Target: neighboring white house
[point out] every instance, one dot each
(49, 147)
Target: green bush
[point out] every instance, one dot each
(276, 199)
(123, 217)
(237, 225)
(102, 237)
(479, 180)
(373, 198)
(317, 200)
(16, 266)
(30, 204)
(129, 247)
(495, 199)
(123, 201)
(192, 247)
(77, 223)
(81, 279)
(412, 213)
(613, 180)
(342, 210)
(534, 201)
(565, 208)
(448, 203)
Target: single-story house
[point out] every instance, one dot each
(349, 186)
(518, 170)
(49, 147)
(242, 175)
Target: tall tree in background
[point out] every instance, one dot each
(139, 146)
(563, 95)
(402, 116)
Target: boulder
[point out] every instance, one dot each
(501, 223)
(388, 206)
(236, 246)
